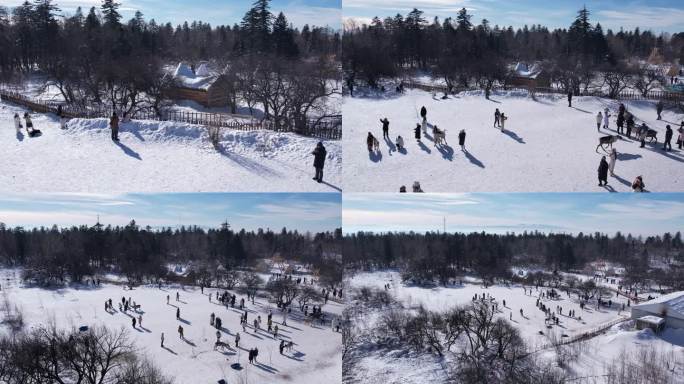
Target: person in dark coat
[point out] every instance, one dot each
(621, 123)
(668, 138)
(603, 172)
(416, 132)
(319, 161)
(114, 125)
(423, 112)
(461, 139)
(369, 141)
(570, 99)
(659, 108)
(630, 124)
(638, 184)
(385, 128)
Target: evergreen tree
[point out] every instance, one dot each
(110, 12)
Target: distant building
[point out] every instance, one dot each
(670, 308)
(529, 76)
(201, 85)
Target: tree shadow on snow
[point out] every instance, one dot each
(473, 159)
(514, 136)
(580, 109)
(128, 151)
(247, 163)
(375, 156)
(424, 147)
(128, 128)
(182, 320)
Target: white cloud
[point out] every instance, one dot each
(656, 18)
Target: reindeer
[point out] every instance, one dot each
(607, 141)
(439, 135)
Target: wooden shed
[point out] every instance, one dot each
(203, 86)
(529, 76)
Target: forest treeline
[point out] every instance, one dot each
(59, 255)
(442, 257)
(466, 54)
(95, 57)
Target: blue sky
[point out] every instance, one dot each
(216, 12)
(302, 211)
(656, 15)
(639, 214)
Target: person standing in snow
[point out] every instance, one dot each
(162, 340)
(369, 141)
(180, 332)
(638, 184)
(668, 138)
(606, 116)
(423, 113)
(29, 124)
(570, 99)
(17, 122)
(603, 172)
(497, 117)
(237, 339)
(114, 126)
(319, 161)
(400, 143)
(133, 321)
(416, 132)
(611, 163)
(630, 124)
(599, 120)
(281, 346)
(659, 109)
(385, 128)
(177, 313)
(62, 118)
(680, 139)
(502, 121)
(461, 139)
(140, 320)
(621, 124)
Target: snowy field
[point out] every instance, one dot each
(403, 366)
(315, 358)
(156, 157)
(546, 146)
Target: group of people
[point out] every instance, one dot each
(30, 130)
(500, 119)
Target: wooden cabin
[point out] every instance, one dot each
(529, 76)
(202, 86)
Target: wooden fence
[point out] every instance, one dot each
(623, 95)
(325, 128)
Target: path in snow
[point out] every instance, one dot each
(156, 157)
(546, 145)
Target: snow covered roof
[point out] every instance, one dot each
(202, 78)
(650, 319)
(183, 70)
(528, 71)
(672, 304)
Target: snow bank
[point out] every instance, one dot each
(157, 156)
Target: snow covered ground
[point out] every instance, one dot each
(403, 366)
(315, 358)
(546, 146)
(156, 157)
